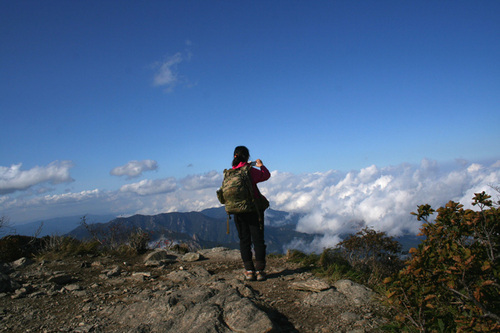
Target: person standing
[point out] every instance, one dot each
(250, 225)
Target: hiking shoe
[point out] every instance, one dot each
(249, 275)
(261, 276)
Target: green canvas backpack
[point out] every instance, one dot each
(236, 193)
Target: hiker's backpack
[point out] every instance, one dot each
(236, 192)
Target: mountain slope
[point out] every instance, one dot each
(206, 230)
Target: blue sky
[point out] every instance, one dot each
(309, 87)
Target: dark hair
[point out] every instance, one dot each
(241, 154)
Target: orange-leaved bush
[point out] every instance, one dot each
(451, 281)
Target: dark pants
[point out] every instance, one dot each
(251, 231)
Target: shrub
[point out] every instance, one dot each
(110, 236)
(138, 240)
(13, 247)
(366, 257)
(124, 251)
(371, 252)
(5, 226)
(297, 256)
(52, 243)
(182, 248)
(451, 281)
(336, 267)
(71, 246)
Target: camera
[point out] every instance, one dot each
(253, 163)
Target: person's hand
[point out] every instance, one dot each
(258, 163)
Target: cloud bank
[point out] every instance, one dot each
(382, 198)
(150, 187)
(330, 203)
(14, 179)
(134, 169)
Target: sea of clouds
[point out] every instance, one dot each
(330, 203)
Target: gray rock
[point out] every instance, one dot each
(329, 297)
(356, 293)
(221, 253)
(216, 307)
(22, 292)
(37, 294)
(22, 262)
(179, 276)
(160, 255)
(96, 264)
(84, 328)
(144, 274)
(314, 285)
(243, 316)
(139, 276)
(115, 271)
(191, 256)
(72, 287)
(60, 278)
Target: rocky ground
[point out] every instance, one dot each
(167, 292)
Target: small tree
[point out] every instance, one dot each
(451, 282)
(372, 252)
(4, 225)
(138, 240)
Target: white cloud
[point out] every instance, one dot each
(22, 209)
(331, 203)
(317, 245)
(14, 179)
(381, 198)
(197, 182)
(167, 74)
(134, 169)
(149, 187)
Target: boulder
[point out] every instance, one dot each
(21, 262)
(356, 293)
(216, 307)
(191, 256)
(328, 297)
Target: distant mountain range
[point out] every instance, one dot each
(204, 229)
(57, 226)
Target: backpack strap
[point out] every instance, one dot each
(250, 188)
